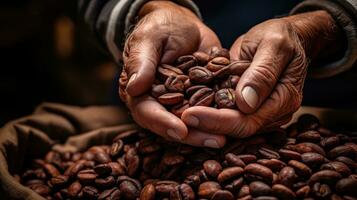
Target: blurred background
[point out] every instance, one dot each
(47, 56)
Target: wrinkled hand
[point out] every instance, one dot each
(273, 59)
(165, 32)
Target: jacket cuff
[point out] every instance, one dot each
(122, 19)
(344, 17)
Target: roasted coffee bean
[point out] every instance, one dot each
(116, 148)
(229, 174)
(170, 98)
(158, 90)
(180, 108)
(330, 142)
(116, 168)
(202, 58)
(59, 180)
(90, 192)
(230, 82)
(303, 192)
(193, 89)
(247, 158)
(340, 167)
(164, 71)
(74, 189)
(312, 159)
(309, 136)
(283, 192)
(287, 176)
(347, 186)
(40, 189)
(348, 161)
(186, 62)
(273, 164)
(225, 98)
(103, 169)
(235, 185)
(234, 160)
(268, 153)
(104, 183)
(289, 155)
(300, 168)
(202, 97)
(258, 188)
(343, 150)
(321, 190)
(176, 83)
(102, 157)
(218, 52)
(129, 190)
(222, 194)
(193, 181)
(182, 191)
(87, 176)
(217, 63)
(325, 176)
(133, 162)
(200, 75)
(207, 189)
(258, 172)
(148, 192)
(51, 170)
(110, 194)
(265, 198)
(212, 168)
(222, 73)
(306, 147)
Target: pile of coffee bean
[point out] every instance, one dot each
(304, 161)
(199, 79)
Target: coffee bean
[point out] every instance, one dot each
(87, 176)
(343, 150)
(340, 167)
(200, 75)
(222, 194)
(217, 63)
(303, 192)
(312, 159)
(300, 168)
(207, 189)
(212, 168)
(116, 148)
(321, 190)
(164, 71)
(110, 194)
(176, 83)
(225, 98)
(258, 172)
(59, 180)
(218, 52)
(347, 186)
(289, 155)
(287, 176)
(234, 160)
(325, 176)
(90, 192)
(171, 98)
(202, 97)
(40, 189)
(104, 183)
(258, 188)
(330, 142)
(229, 174)
(74, 189)
(268, 153)
(283, 192)
(187, 61)
(103, 169)
(180, 108)
(273, 164)
(309, 136)
(148, 192)
(202, 58)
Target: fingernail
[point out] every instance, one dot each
(250, 96)
(211, 143)
(132, 78)
(172, 133)
(192, 121)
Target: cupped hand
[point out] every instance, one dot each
(272, 62)
(164, 32)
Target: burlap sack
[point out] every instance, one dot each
(31, 137)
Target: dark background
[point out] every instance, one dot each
(46, 55)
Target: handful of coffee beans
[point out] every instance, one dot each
(199, 79)
(304, 161)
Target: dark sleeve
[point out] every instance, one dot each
(344, 12)
(111, 20)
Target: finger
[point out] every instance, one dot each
(199, 138)
(258, 81)
(141, 58)
(148, 113)
(236, 48)
(220, 121)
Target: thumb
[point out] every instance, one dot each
(141, 58)
(258, 81)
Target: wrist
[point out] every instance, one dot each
(317, 31)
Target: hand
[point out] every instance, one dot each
(274, 57)
(164, 32)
